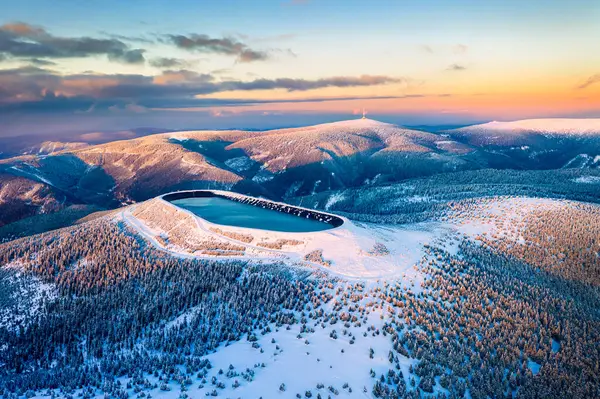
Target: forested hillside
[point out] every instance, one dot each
(470, 269)
(95, 309)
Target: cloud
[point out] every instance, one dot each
(27, 83)
(460, 49)
(23, 29)
(129, 57)
(137, 39)
(182, 76)
(163, 62)
(128, 108)
(37, 89)
(198, 103)
(304, 84)
(21, 40)
(590, 81)
(456, 67)
(41, 62)
(251, 55)
(223, 46)
(457, 49)
(426, 48)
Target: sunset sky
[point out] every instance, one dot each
(112, 64)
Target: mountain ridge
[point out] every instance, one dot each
(278, 163)
(576, 126)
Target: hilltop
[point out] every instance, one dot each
(549, 126)
(536, 143)
(150, 301)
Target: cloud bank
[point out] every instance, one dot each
(456, 67)
(590, 81)
(38, 89)
(224, 46)
(21, 40)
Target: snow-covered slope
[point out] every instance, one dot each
(550, 126)
(279, 163)
(49, 147)
(529, 132)
(352, 251)
(534, 143)
(364, 251)
(416, 316)
(288, 148)
(22, 196)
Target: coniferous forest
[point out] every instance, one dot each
(95, 309)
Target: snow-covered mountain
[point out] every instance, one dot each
(151, 301)
(49, 147)
(527, 131)
(278, 163)
(534, 143)
(550, 126)
(477, 283)
(21, 197)
(292, 162)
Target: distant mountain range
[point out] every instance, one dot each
(282, 163)
(29, 144)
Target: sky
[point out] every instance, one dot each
(72, 66)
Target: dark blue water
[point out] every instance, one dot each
(231, 213)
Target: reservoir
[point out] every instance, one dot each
(227, 212)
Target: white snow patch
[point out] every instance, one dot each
(587, 179)
(580, 160)
(499, 217)
(28, 295)
(178, 138)
(548, 126)
(36, 175)
(302, 366)
(334, 199)
(263, 176)
(239, 164)
(417, 198)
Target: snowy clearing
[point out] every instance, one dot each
(587, 179)
(23, 298)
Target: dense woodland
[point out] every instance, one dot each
(499, 318)
(564, 242)
(417, 200)
(115, 292)
(485, 316)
